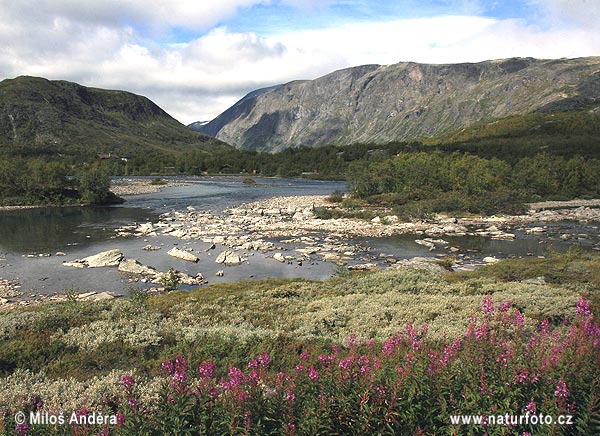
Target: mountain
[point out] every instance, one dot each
(378, 104)
(50, 118)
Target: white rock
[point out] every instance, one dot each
(490, 260)
(181, 254)
(106, 258)
(132, 266)
(279, 257)
(229, 258)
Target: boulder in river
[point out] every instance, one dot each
(132, 266)
(229, 258)
(181, 254)
(106, 258)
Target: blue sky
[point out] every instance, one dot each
(196, 58)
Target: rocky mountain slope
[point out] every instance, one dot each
(374, 103)
(43, 117)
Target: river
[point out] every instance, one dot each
(31, 238)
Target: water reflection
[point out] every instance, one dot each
(54, 228)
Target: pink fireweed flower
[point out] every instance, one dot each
(363, 360)
(521, 377)
(352, 340)
(22, 429)
(545, 327)
(254, 376)
(481, 331)
(531, 408)
(376, 364)
(313, 374)
(504, 306)
(299, 368)
(583, 307)
(290, 396)
(207, 369)
(487, 306)
(120, 419)
(264, 359)
(133, 403)
(290, 429)
(236, 377)
(519, 320)
(167, 366)
(242, 396)
(127, 381)
(214, 392)
(305, 356)
(561, 390)
(346, 363)
(391, 345)
(370, 343)
(253, 364)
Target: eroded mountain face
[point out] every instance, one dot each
(374, 103)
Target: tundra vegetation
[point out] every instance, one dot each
(388, 352)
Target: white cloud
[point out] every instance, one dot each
(573, 13)
(75, 40)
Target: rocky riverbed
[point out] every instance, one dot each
(265, 225)
(285, 231)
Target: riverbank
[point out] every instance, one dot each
(136, 186)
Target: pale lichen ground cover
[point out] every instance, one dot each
(374, 306)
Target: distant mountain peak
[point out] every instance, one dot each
(407, 100)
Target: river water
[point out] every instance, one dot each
(28, 236)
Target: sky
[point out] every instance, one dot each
(195, 58)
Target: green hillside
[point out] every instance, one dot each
(39, 117)
(562, 133)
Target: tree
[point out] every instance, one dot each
(94, 187)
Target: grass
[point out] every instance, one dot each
(84, 339)
(84, 347)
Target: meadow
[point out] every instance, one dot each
(391, 352)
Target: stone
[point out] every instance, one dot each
(490, 260)
(279, 257)
(132, 266)
(104, 259)
(74, 264)
(220, 273)
(60, 253)
(229, 258)
(181, 254)
(151, 247)
(363, 267)
(535, 281)
(376, 220)
(430, 245)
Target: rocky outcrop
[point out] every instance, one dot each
(382, 103)
(229, 258)
(132, 266)
(181, 254)
(108, 258)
